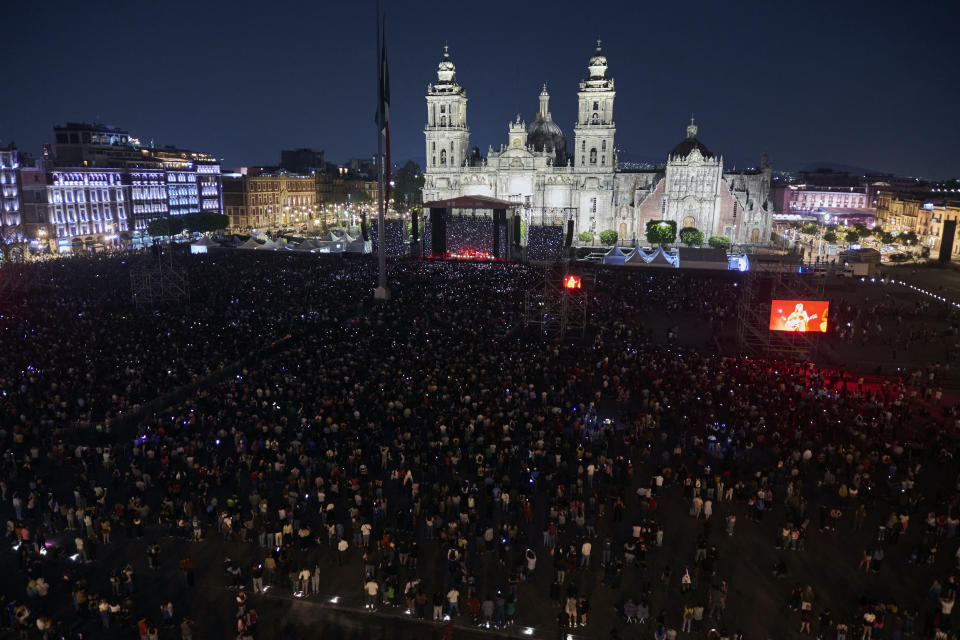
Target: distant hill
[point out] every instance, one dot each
(857, 171)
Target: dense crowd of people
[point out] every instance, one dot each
(545, 242)
(433, 457)
(393, 231)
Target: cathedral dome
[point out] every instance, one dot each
(684, 149)
(543, 134)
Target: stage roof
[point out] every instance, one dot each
(470, 202)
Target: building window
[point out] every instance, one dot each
(603, 161)
(443, 156)
(595, 119)
(596, 105)
(603, 145)
(593, 156)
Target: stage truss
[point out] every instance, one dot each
(753, 322)
(161, 282)
(560, 313)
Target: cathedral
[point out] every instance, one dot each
(553, 183)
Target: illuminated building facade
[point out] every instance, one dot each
(921, 213)
(800, 198)
(85, 201)
(162, 180)
(255, 200)
(10, 196)
(550, 182)
(942, 210)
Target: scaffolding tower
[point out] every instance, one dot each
(559, 312)
(160, 282)
(753, 322)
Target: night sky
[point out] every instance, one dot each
(872, 85)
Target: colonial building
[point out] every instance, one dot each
(255, 200)
(10, 196)
(535, 168)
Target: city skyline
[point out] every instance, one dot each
(858, 89)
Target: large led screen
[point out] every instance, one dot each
(799, 315)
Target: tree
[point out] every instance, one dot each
(862, 230)
(165, 226)
(886, 237)
(830, 236)
(909, 238)
(720, 242)
(810, 228)
(608, 237)
(407, 187)
(852, 237)
(205, 221)
(691, 236)
(360, 197)
(661, 231)
(585, 236)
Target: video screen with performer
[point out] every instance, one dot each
(799, 315)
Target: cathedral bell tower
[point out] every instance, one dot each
(446, 132)
(595, 129)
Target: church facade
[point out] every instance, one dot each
(553, 183)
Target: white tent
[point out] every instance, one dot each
(269, 245)
(614, 256)
(308, 245)
(359, 245)
(201, 245)
(331, 247)
(249, 244)
(658, 258)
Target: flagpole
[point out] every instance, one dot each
(381, 293)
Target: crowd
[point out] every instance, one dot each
(432, 458)
(393, 232)
(467, 234)
(545, 242)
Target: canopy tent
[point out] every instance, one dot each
(269, 245)
(249, 244)
(614, 256)
(330, 247)
(359, 245)
(201, 245)
(658, 258)
(310, 244)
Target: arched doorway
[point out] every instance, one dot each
(622, 235)
(755, 236)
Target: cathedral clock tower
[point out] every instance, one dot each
(593, 134)
(447, 134)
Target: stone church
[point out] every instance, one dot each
(554, 182)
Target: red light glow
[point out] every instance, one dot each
(571, 282)
(470, 254)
